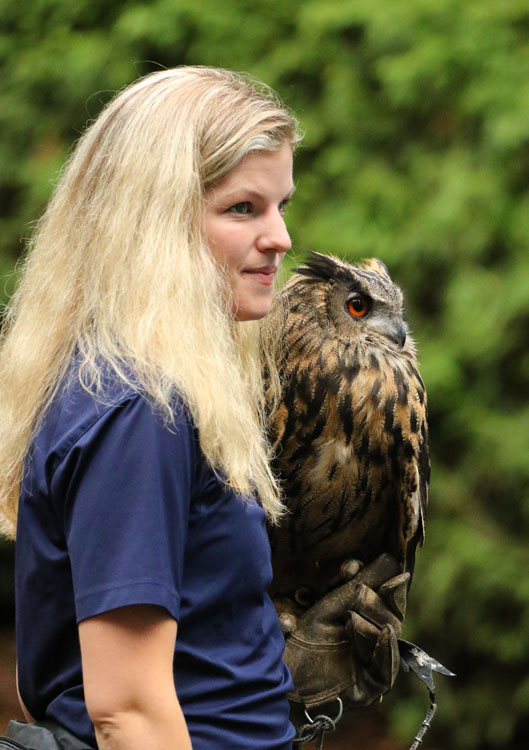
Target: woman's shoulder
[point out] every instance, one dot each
(82, 408)
(82, 399)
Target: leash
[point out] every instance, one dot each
(425, 726)
(316, 728)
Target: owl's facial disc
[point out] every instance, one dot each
(374, 316)
(389, 326)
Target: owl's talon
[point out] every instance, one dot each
(287, 623)
(288, 612)
(347, 571)
(304, 597)
(350, 568)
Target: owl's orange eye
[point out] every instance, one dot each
(358, 305)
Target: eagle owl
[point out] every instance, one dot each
(349, 429)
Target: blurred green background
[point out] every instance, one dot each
(416, 115)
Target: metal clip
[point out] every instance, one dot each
(323, 716)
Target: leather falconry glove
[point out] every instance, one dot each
(345, 645)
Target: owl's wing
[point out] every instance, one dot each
(414, 498)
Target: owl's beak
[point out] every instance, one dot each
(399, 334)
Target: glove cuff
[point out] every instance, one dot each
(315, 669)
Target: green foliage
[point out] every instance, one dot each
(417, 150)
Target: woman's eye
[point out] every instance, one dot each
(244, 207)
(283, 205)
(358, 305)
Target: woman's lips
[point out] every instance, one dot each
(264, 275)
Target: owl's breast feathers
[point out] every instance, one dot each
(350, 439)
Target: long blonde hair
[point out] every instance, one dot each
(118, 271)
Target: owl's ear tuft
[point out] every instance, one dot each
(321, 267)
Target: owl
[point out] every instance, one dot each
(349, 429)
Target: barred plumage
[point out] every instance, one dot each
(350, 431)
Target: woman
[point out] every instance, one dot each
(134, 396)
(133, 464)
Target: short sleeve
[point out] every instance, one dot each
(126, 485)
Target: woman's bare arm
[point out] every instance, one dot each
(28, 717)
(127, 657)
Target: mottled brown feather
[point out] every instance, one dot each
(349, 433)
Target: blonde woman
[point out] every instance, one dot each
(133, 467)
(134, 400)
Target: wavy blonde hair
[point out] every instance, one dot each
(118, 271)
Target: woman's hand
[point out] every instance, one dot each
(127, 656)
(345, 645)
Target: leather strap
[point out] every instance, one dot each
(44, 735)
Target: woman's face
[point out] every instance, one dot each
(245, 227)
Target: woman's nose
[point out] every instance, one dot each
(274, 235)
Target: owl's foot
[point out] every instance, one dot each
(350, 568)
(287, 623)
(288, 612)
(347, 571)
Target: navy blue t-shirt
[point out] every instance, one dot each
(118, 509)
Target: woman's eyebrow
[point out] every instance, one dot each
(251, 193)
(237, 192)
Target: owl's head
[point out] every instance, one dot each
(359, 302)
